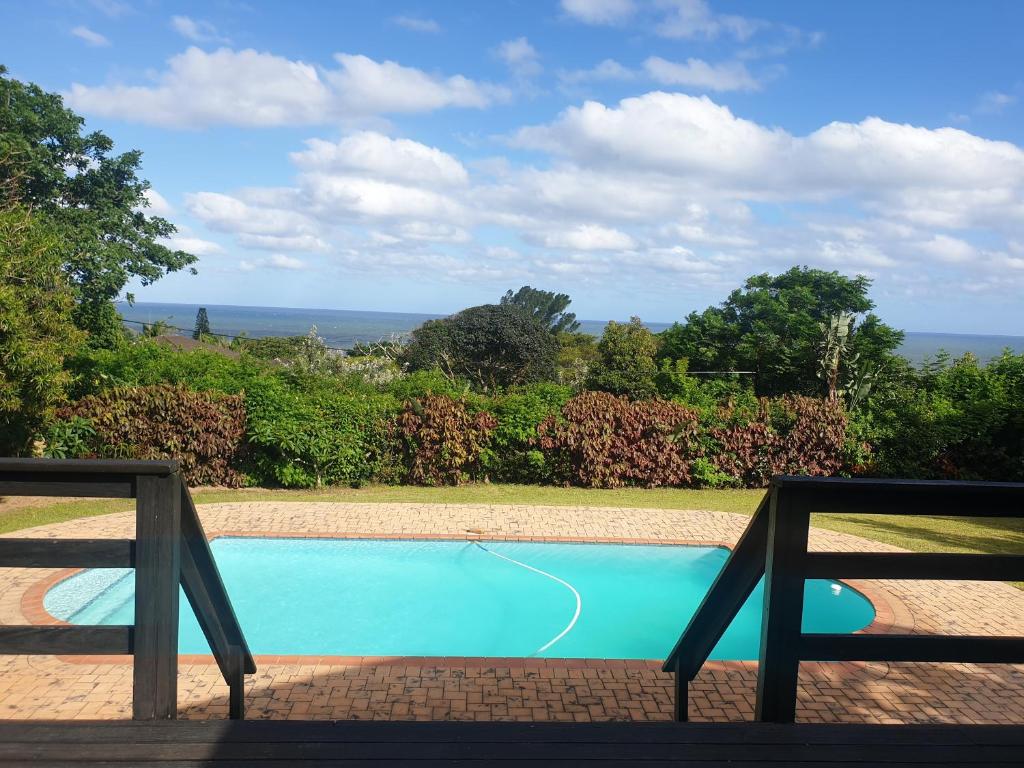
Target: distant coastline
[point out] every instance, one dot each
(342, 328)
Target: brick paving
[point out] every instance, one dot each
(573, 690)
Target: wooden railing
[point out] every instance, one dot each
(169, 548)
(774, 545)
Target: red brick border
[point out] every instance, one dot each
(890, 611)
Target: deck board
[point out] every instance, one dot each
(350, 744)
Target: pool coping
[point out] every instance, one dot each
(890, 611)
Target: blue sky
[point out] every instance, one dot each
(642, 155)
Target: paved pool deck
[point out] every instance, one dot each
(583, 690)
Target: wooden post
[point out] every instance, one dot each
(779, 658)
(682, 704)
(236, 683)
(157, 569)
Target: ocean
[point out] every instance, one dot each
(341, 328)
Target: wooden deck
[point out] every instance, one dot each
(352, 744)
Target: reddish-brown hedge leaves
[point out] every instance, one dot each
(604, 441)
(441, 441)
(791, 435)
(204, 431)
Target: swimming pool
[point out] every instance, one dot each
(455, 598)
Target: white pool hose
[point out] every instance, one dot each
(567, 585)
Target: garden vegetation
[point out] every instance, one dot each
(791, 373)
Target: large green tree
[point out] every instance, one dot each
(548, 307)
(773, 327)
(491, 346)
(92, 200)
(36, 331)
(625, 363)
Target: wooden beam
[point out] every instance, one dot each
(742, 570)
(125, 467)
(66, 640)
(964, 649)
(236, 683)
(88, 486)
(779, 660)
(157, 573)
(906, 497)
(206, 592)
(914, 565)
(67, 553)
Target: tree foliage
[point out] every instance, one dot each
(547, 307)
(626, 361)
(92, 199)
(202, 328)
(491, 346)
(36, 331)
(772, 326)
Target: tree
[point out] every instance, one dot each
(773, 327)
(546, 306)
(492, 346)
(36, 328)
(92, 200)
(625, 364)
(156, 328)
(202, 325)
(577, 352)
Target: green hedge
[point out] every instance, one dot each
(302, 439)
(953, 419)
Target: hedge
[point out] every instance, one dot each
(204, 431)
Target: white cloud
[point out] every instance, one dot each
(92, 38)
(609, 69)
(112, 8)
(376, 155)
(662, 191)
(899, 167)
(950, 250)
(158, 205)
(193, 245)
(690, 19)
(590, 237)
(282, 242)
(601, 12)
(370, 87)
(697, 73)
(274, 261)
(415, 24)
(520, 57)
(250, 88)
(197, 30)
(227, 213)
(994, 103)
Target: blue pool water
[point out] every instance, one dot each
(446, 598)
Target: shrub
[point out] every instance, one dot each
(316, 437)
(431, 381)
(441, 440)
(790, 435)
(605, 441)
(514, 456)
(148, 363)
(952, 420)
(204, 431)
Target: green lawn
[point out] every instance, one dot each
(924, 534)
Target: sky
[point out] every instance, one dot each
(644, 156)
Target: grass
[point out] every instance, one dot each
(919, 533)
